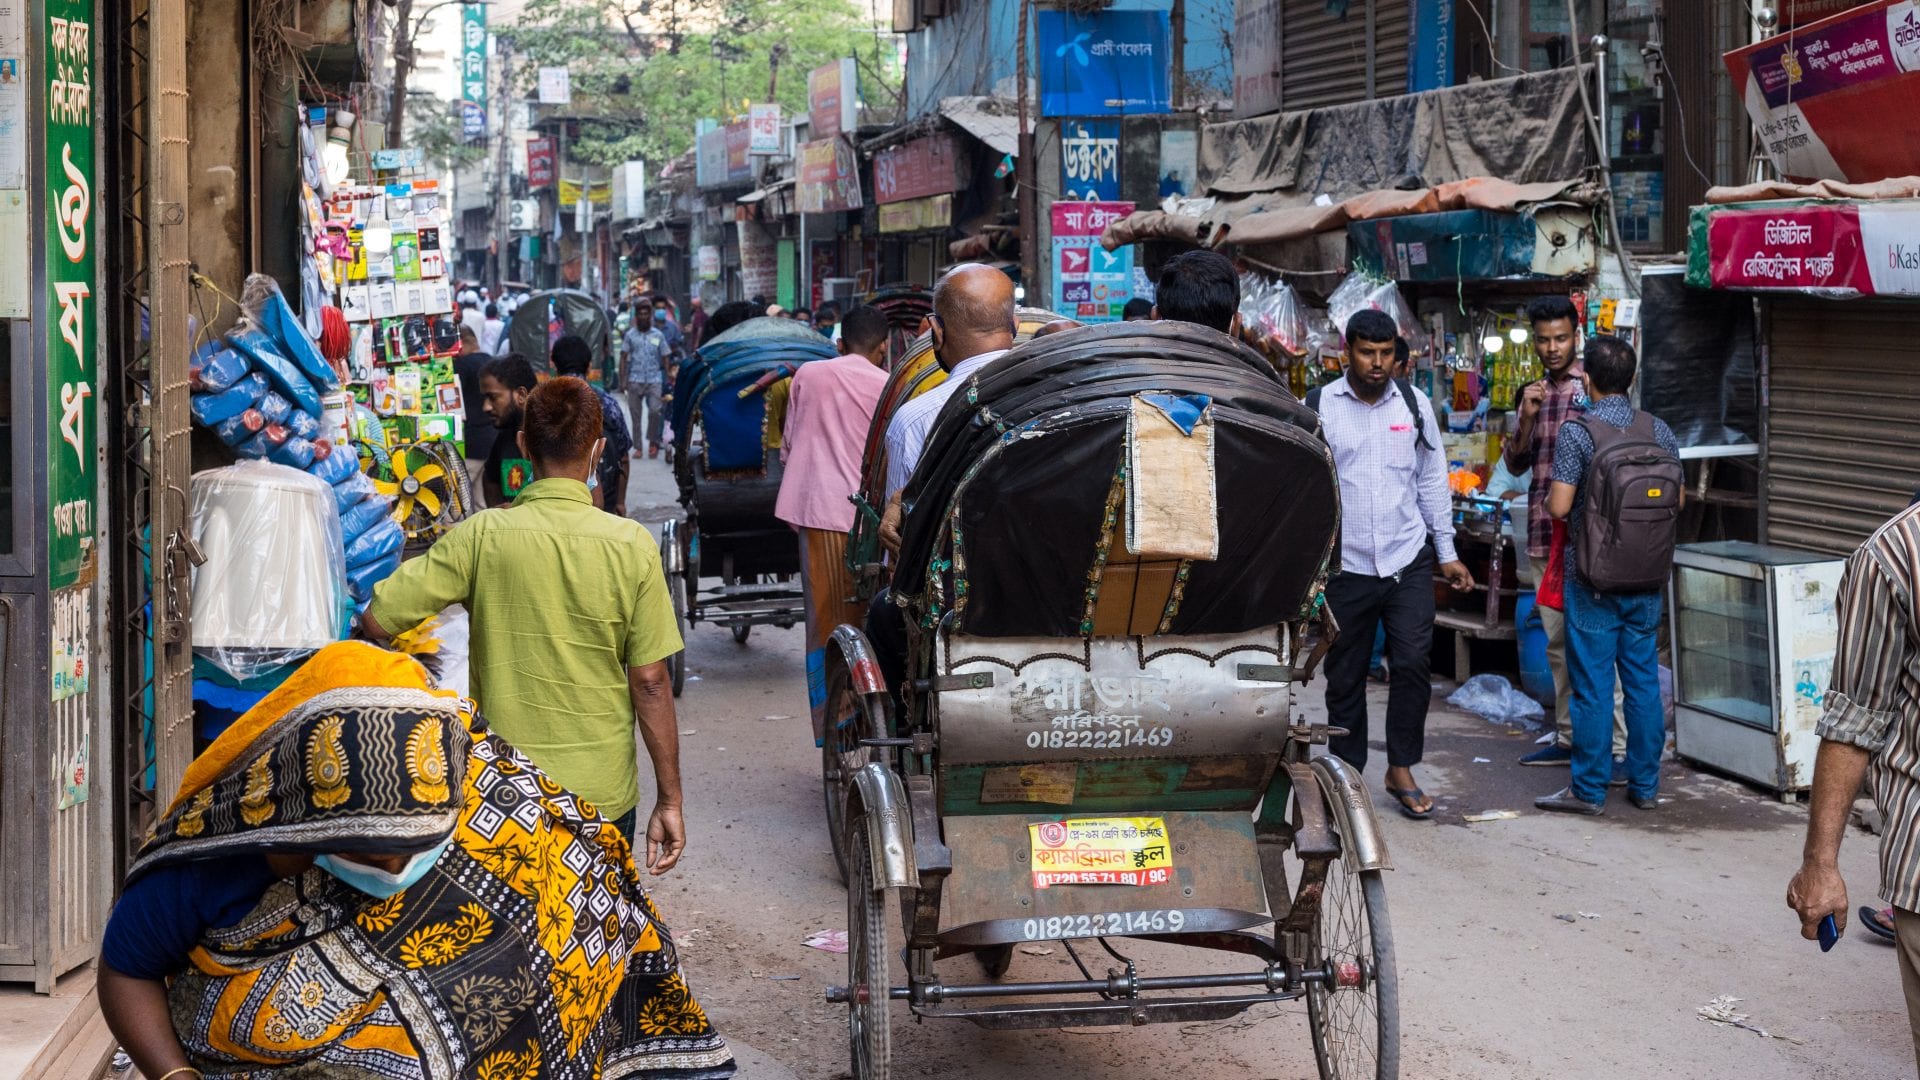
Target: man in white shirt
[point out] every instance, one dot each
(1396, 523)
(973, 325)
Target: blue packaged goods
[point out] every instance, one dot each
(362, 579)
(361, 516)
(330, 463)
(275, 408)
(280, 371)
(278, 319)
(265, 442)
(295, 453)
(235, 430)
(215, 367)
(376, 543)
(303, 424)
(211, 409)
(352, 490)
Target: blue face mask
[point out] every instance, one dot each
(378, 883)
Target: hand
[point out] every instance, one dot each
(1534, 396)
(666, 838)
(1816, 892)
(890, 520)
(1457, 575)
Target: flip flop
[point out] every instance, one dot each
(1406, 797)
(1875, 921)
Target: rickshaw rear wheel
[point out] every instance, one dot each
(1356, 1030)
(740, 633)
(869, 1028)
(841, 754)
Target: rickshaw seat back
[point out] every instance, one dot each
(1109, 723)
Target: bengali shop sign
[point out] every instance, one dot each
(1841, 249)
(540, 162)
(832, 100)
(918, 169)
(1821, 95)
(71, 306)
(1090, 283)
(917, 215)
(829, 179)
(1100, 851)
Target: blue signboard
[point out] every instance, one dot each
(1110, 63)
(1090, 160)
(1430, 65)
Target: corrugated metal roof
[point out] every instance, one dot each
(994, 121)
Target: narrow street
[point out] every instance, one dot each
(1680, 906)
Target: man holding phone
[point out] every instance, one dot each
(1871, 729)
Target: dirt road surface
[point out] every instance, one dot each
(1682, 905)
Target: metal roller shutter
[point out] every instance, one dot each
(1843, 420)
(1323, 58)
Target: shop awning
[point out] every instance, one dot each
(1837, 248)
(994, 121)
(1268, 220)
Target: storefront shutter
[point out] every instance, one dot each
(1843, 420)
(1323, 57)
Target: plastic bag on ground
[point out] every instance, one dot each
(1496, 699)
(274, 583)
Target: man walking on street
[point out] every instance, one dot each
(830, 405)
(646, 349)
(1871, 729)
(1199, 287)
(505, 385)
(1617, 481)
(1396, 524)
(1546, 404)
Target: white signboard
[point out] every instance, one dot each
(630, 191)
(556, 87)
(709, 263)
(763, 129)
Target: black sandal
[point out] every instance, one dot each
(1408, 797)
(1872, 920)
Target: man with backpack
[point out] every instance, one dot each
(1617, 480)
(1396, 525)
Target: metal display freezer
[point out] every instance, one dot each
(1753, 639)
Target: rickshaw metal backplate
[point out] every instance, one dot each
(990, 897)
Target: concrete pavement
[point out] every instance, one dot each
(1681, 905)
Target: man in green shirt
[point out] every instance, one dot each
(571, 624)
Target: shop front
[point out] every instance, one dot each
(1838, 283)
(913, 185)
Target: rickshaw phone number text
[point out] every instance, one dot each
(1055, 927)
(1107, 739)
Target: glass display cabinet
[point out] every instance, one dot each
(1753, 639)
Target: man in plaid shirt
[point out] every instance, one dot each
(1546, 405)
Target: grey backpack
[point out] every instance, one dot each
(1632, 513)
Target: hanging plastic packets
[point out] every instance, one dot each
(1283, 322)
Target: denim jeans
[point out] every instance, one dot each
(1609, 633)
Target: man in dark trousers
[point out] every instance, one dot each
(1396, 526)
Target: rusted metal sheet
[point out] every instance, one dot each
(1111, 699)
(1216, 884)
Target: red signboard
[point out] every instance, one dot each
(739, 147)
(916, 169)
(540, 163)
(1822, 95)
(1837, 249)
(830, 99)
(829, 178)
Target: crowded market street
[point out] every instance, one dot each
(1496, 983)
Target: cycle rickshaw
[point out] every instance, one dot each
(728, 404)
(1117, 545)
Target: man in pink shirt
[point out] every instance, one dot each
(829, 409)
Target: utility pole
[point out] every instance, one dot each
(1023, 167)
(503, 169)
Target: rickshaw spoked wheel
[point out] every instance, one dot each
(869, 1028)
(841, 754)
(1355, 1028)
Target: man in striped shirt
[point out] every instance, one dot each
(1871, 728)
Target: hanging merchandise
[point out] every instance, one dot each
(267, 531)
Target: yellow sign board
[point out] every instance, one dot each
(1101, 851)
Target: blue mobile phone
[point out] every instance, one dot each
(1829, 933)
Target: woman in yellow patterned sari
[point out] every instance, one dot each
(358, 880)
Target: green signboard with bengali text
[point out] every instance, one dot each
(71, 303)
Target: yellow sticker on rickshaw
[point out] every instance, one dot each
(1101, 851)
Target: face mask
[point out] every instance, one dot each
(378, 883)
